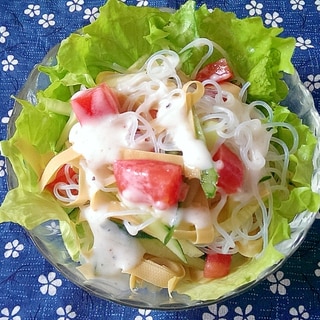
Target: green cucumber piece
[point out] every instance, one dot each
(208, 181)
(208, 177)
(197, 126)
(160, 231)
(156, 248)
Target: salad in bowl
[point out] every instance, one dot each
(169, 149)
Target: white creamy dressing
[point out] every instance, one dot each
(172, 114)
(113, 250)
(170, 216)
(199, 216)
(100, 141)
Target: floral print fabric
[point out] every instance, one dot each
(30, 288)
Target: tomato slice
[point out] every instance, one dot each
(218, 71)
(94, 102)
(230, 170)
(150, 182)
(217, 265)
(65, 175)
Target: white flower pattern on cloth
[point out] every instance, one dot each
(144, 314)
(13, 249)
(91, 14)
(279, 283)
(244, 315)
(3, 34)
(6, 314)
(32, 10)
(216, 313)
(7, 118)
(254, 8)
(3, 168)
(66, 313)
(75, 5)
(303, 44)
(273, 19)
(142, 3)
(47, 20)
(299, 313)
(49, 283)
(9, 63)
(317, 3)
(317, 271)
(313, 82)
(53, 228)
(297, 4)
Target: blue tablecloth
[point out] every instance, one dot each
(30, 288)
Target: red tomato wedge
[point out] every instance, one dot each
(218, 71)
(217, 265)
(64, 175)
(150, 182)
(94, 102)
(230, 170)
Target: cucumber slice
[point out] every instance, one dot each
(208, 177)
(160, 231)
(208, 181)
(156, 248)
(190, 249)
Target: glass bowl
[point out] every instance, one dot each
(51, 246)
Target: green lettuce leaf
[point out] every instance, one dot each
(124, 35)
(258, 57)
(33, 143)
(300, 167)
(19, 202)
